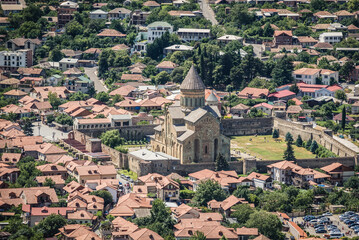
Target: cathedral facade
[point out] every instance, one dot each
(191, 129)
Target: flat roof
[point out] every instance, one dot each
(146, 154)
(194, 30)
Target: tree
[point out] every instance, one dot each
(207, 191)
(50, 225)
(314, 146)
(74, 28)
(30, 30)
(308, 144)
(294, 88)
(56, 55)
(275, 133)
(318, 4)
(267, 223)
(221, 163)
(78, 96)
(282, 72)
(340, 94)
(198, 236)
(344, 118)
(299, 142)
(289, 137)
(353, 5)
(27, 126)
(54, 100)
(346, 70)
(107, 197)
(242, 212)
(160, 220)
(102, 97)
(49, 182)
(352, 183)
(64, 119)
(162, 78)
(112, 138)
(289, 152)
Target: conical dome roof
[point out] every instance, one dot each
(212, 98)
(192, 81)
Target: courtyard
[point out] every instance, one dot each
(265, 147)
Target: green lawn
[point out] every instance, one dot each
(266, 149)
(129, 173)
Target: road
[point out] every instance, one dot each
(208, 12)
(48, 133)
(99, 84)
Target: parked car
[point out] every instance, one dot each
(327, 214)
(320, 230)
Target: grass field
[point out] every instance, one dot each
(266, 148)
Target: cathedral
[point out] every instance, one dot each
(191, 129)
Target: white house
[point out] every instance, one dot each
(67, 63)
(264, 107)
(12, 60)
(307, 75)
(331, 37)
(118, 13)
(157, 29)
(98, 14)
(193, 34)
(310, 75)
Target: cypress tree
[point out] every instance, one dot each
(289, 152)
(275, 133)
(288, 137)
(314, 146)
(308, 144)
(344, 118)
(299, 142)
(221, 163)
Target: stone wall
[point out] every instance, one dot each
(118, 158)
(307, 132)
(185, 169)
(138, 132)
(247, 126)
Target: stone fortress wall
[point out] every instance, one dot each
(239, 127)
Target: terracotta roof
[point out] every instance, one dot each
(15, 92)
(253, 92)
(110, 33)
(10, 157)
(281, 94)
(294, 109)
(167, 65)
(336, 167)
(306, 39)
(151, 4)
(123, 91)
(80, 215)
(265, 105)
(330, 58)
(120, 47)
(133, 77)
(46, 211)
(145, 234)
(10, 81)
(343, 13)
(261, 237)
(215, 216)
(93, 51)
(280, 32)
(56, 178)
(93, 170)
(352, 27)
(243, 231)
(338, 117)
(36, 71)
(51, 168)
(323, 45)
(259, 176)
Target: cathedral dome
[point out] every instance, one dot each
(212, 98)
(192, 81)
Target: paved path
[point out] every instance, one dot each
(99, 84)
(257, 49)
(48, 133)
(208, 12)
